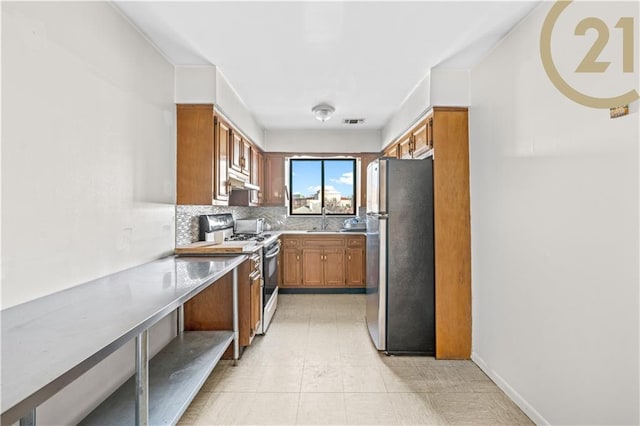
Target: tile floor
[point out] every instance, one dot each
(317, 366)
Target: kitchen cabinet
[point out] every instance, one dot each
(419, 139)
(239, 154)
(405, 147)
(312, 266)
(202, 141)
(257, 174)
(321, 261)
(274, 191)
(391, 151)
(255, 306)
(322, 266)
(291, 263)
(355, 261)
(211, 308)
(450, 136)
(221, 181)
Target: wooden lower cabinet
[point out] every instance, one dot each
(323, 261)
(355, 269)
(291, 267)
(212, 309)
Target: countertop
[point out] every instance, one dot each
(49, 342)
(296, 232)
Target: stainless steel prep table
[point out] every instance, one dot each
(49, 342)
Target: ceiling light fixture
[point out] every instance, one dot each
(323, 112)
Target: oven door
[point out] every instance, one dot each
(270, 276)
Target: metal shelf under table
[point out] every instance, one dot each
(176, 374)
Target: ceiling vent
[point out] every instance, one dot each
(353, 120)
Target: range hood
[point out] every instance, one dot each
(236, 182)
(241, 189)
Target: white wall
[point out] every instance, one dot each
(205, 84)
(88, 163)
(449, 87)
(415, 105)
(554, 220)
(232, 106)
(322, 140)
(195, 84)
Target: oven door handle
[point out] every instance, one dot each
(272, 255)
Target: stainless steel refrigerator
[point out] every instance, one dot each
(400, 256)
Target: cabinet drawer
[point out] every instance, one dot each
(323, 242)
(355, 242)
(290, 242)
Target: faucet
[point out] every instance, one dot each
(323, 223)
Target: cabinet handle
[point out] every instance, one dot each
(349, 257)
(297, 257)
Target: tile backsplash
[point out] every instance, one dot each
(275, 217)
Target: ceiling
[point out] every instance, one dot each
(363, 58)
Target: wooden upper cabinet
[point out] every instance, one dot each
(223, 133)
(405, 147)
(239, 154)
(257, 174)
(236, 148)
(420, 143)
(245, 161)
(195, 154)
(391, 151)
(274, 185)
(202, 140)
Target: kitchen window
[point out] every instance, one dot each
(317, 183)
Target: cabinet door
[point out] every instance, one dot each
(256, 175)
(391, 151)
(312, 265)
(333, 265)
(405, 147)
(235, 152)
(245, 160)
(420, 140)
(274, 192)
(255, 305)
(195, 154)
(291, 267)
(223, 132)
(355, 266)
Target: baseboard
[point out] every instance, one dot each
(531, 412)
(338, 290)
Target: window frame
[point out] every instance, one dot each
(322, 184)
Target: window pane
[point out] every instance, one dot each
(306, 181)
(339, 186)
